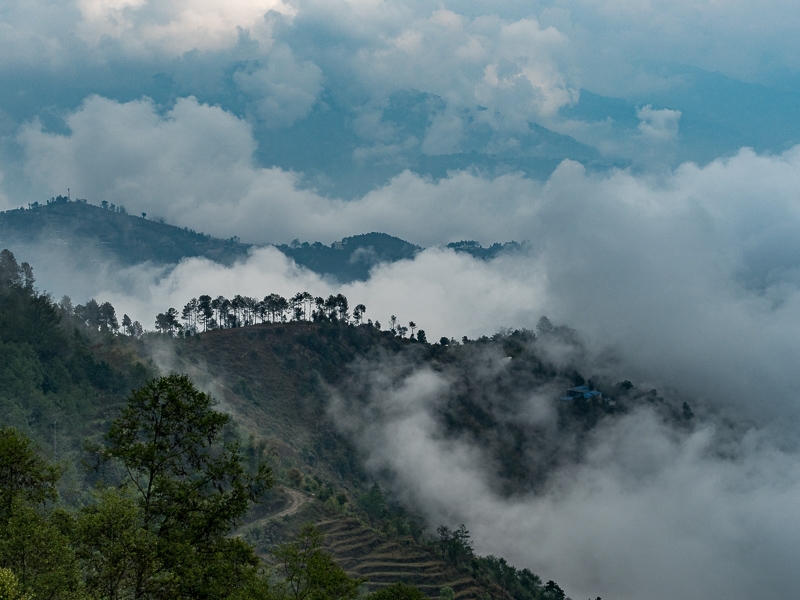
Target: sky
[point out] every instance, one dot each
(646, 152)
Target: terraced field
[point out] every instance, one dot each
(364, 552)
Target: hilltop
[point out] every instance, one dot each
(109, 232)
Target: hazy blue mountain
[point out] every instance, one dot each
(90, 233)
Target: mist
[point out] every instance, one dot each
(645, 508)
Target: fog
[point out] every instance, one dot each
(649, 510)
(691, 277)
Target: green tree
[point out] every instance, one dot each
(34, 543)
(192, 489)
(373, 503)
(398, 591)
(552, 591)
(36, 547)
(112, 545)
(10, 589)
(309, 573)
(24, 475)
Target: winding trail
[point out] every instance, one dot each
(296, 500)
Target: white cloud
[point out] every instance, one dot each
(659, 125)
(174, 27)
(511, 68)
(284, 90)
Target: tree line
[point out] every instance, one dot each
(205, 313)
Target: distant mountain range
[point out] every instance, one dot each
(108, 233)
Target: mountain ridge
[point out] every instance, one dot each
(108, 233)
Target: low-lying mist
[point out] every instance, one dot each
(641, 505)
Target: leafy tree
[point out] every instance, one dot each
(168, 322)
(686, 411)
(206, 312)
(36, 547)
(189, 315)
(552, 591)
(358, 313)
(544, 326)
(108, 317)
(112, 545)
(33, 543)
(398, 591)
(24, 475)
(191, 486)
(309, 573)
(276, 306)
(126, 325)
(10, 589)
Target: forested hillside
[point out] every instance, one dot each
(67, 382)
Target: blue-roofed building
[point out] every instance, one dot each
(581, 391)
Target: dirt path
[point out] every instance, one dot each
(296, 500)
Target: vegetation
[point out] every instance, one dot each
(107, 230)
(164, 529)
(56, 375)
(172, 478)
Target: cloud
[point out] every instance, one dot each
(285, 89)
(510, 67)
(305, 72)
(661, 265)
(176, 26)
(194, 165)
(659, 125)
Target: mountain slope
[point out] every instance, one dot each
(80, 228)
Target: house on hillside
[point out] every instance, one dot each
(581, 391)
